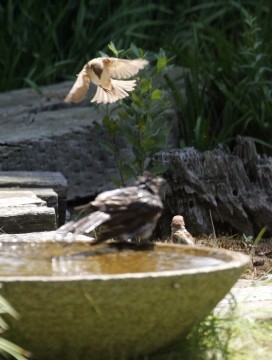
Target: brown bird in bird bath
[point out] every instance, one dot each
(106, 72)
(179, 234)
(129, 213)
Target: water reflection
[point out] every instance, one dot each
(50, 259)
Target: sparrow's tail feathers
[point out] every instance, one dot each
(123, 85)
(119, 90)
(85, 225)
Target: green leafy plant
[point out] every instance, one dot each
(67, 35)
(227, 85)
(138, 126)
(223, 46)
(254, 242)
(7, 347)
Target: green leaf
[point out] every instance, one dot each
(12, 349)
(106, 146)
(5, 307)
(156, 94)
(135, 50)
(145, 85)
(110, 124)
(136, 99)
(34, 86)
(161, 63)
(260, 235)
(113, 49)
(128, 170)
(157, 169)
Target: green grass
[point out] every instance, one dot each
(227, 84)
(223, 338)
(7, 347)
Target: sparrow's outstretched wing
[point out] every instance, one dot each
(123, 68)
(80, 88)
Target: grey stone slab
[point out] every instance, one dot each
(248, 299)
(42, 133)
(44, 182)
(27, 218)
(17, 197)
(43, 236)
(48, 195)
(22, 211)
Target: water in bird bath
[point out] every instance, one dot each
(53, 259)
(75, 290)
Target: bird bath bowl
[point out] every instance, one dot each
(110, 304)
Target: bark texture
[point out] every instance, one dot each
(230, 189)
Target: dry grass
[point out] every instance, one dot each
(261, 255)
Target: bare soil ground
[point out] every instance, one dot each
(261, 255)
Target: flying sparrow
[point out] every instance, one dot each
(128, 213)
(179, 234)
(103, 72)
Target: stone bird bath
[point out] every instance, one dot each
(108, 304)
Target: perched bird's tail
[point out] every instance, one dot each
(84, 225)
(118, 91)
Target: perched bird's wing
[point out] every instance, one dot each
(125, 213)
(131, 210)
(90, 222)
(123, 68)
(80, 88)
(126, 225)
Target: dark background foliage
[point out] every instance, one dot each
(223, 45)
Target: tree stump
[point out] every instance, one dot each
(231, 191)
